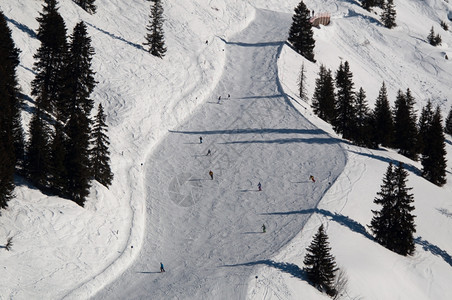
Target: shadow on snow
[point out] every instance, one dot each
(289, 268)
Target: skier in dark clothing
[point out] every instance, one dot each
(211, 174)
(259, 186)
(200, 139)
(263, 228)
(209, 152)
(162, 269)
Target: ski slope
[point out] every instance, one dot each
(162, 205)
(208, 232)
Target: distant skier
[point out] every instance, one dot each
(263, 228)
(209, 152)
(219, 99)
(259, 186)
(200, 139)
(312, 178)
(162, 269)
(229, 96)
(211, 174)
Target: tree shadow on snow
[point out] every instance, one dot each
(252, 131)
(341, 219)
(139, 47)
(156, 272)
(259, 44)
(22, 27)
(433, 249)
(407, 167)
(289, 268)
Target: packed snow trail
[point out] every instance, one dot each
(208, 232)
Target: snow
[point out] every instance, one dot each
(162, 205)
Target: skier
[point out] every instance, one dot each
(200, 139)
(162, 269)
(211, 174)
(208, 152)
(259, 186)
(229, 96)
(312, 178)
(263, 228)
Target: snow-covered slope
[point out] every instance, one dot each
(61, 250)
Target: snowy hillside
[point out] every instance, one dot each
(162, 205)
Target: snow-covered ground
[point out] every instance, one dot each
(162, 205)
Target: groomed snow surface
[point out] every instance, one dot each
(163, 206)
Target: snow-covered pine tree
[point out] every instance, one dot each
(448, 127)
(388, 15)
(393, 226)
(405, 125)
(50, 57)
(100, 155)
(301, 35)
(79, 87)
(433, 158)
(320, 266)
(382, 119)
(323, 98)
(345, 112)
(87, 5)
(155, 37)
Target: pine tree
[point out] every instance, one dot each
(11, 134)
(382, 120)
(302, 83)
(37, 163)
(388, 15)
(50, 57)
(100, 155)
(448, 127)
(405, 129)
(433, 158)
(57, 170)
(367, 4)
(425, 120)
(362, 135)
(301, 35)
(155, 37)
(393, 226)
(323, 98)
(345, 111)
(87, 5)
(320, 266)
(11, 103)
(78, 106)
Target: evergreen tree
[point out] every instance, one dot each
(37, 163)
(155, 37)
(50, 57)
(382, 119)
(433, 158)
(345, 111)
(433, 39)
(425, 120)
(78, 109)
(388, 15)
(448, 127)
(323, 98)
(405, 129)
(57, 171)
(320, 266)
(100, 155)
(393, 226)
(87, 5)
(301, 35)
(367, 4)
(302, 83)
(362, 135)
(11, 134)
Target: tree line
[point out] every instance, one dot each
(336, 101)
(66, 147)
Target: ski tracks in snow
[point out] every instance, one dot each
(207, 231)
